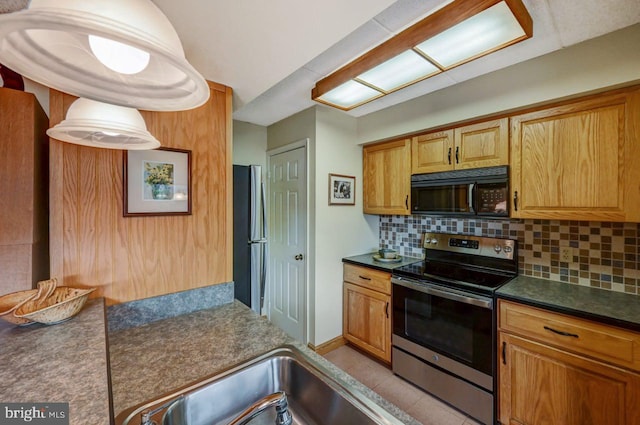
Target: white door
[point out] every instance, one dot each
(287, 241)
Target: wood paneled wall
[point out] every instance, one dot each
(24, 256)
(130, 258)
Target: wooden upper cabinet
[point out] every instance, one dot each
(575, 161)
(432, 152)
(387, 177)
(484, 144)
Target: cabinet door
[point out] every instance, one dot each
(541, 385)
(568, 162)
(485, 144)
(366, 321)
(387, 177)
(432, 152)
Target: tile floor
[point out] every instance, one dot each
(423, 407)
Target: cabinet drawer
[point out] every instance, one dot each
(611, 344)
(368, 278)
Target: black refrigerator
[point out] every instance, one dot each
(249, 236)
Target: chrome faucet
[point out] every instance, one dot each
(277, 399)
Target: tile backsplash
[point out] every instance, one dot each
(605, 255)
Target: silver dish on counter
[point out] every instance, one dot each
(396, 259)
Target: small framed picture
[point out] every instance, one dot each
(157, 182)
(342, 190)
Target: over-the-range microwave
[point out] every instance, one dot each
(474, 192)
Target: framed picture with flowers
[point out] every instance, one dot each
(157, 182)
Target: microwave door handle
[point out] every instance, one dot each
(472, 200)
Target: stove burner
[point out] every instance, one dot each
(454, 275)
(453, 265)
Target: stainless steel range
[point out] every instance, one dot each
(444, 320)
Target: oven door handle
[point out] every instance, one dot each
(431, 289)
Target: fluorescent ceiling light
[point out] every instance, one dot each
(457, 33)
(349, 93)
(485, 32)
(102, 125)
(122, 52)
(406, 68)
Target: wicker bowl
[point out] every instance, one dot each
(63, 304)
(9, 303)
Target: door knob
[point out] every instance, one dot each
(299, 257)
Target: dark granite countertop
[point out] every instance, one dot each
(65, 363)
(157, 358)
(613, 308)
(367, 260)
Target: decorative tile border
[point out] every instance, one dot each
(605, 255)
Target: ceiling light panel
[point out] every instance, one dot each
(458, 32)
(349, 95)
(404, 69)
(480, 34)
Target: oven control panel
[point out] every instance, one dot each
(476, 245)
(464, 243)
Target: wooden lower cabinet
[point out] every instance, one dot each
(542, 384)
(366, 314)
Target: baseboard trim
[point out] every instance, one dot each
(330, 345)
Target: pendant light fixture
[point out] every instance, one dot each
(102, 125)
(7, 6)
(123, 52)
(459, 32)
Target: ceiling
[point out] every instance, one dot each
(272, 53)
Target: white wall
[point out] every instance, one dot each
(249, 144)
(341, 231)
(607, 61)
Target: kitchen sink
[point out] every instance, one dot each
(314, 396)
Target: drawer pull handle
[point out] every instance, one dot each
(561, 332)
(364, 277)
